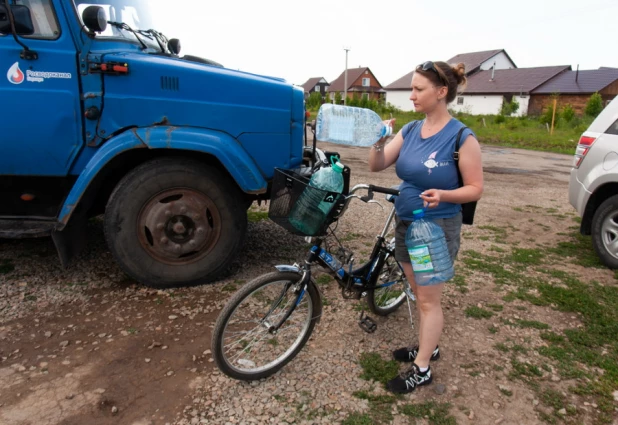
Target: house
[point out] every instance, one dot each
(575, 88)
(317, 84)
(486, 90)
(361, 83)
(398, 92)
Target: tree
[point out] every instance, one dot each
(594, 105)
(314, 101)
(338, 99)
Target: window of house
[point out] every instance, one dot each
(460, 100)
(43, 19)
(325, 89)
(365, 82)
(317, 88)
(366, 96)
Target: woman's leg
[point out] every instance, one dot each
(428, 303)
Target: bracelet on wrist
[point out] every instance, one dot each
(379, 146)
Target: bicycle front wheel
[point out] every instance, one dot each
(383, 301)
(245, 344)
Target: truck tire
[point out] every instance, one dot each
(175, 222)
(605, 232)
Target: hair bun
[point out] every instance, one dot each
(459, 71)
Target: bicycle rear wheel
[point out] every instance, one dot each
(383, 301)
(244, 344)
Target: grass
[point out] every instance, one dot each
(528, 275)
(377, 369)
(435, 413)
(254, 216)
(478, 312)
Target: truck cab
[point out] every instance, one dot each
(100, 113)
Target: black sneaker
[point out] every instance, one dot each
(407, 381)
(408, 354)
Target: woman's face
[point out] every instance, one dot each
(425, 95)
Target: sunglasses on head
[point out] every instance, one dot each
(430, 66)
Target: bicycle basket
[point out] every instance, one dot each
(287, 188)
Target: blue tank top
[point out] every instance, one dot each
(428, 164)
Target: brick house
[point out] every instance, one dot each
(486, 90)
(316, 84)
(361, 83)
(575, 88)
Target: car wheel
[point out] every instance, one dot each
(605, 232)
(175, 222)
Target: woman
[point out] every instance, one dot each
(423, 154)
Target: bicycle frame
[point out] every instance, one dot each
(359, 280)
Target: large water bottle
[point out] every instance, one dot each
(312, 207)
(428, 251)
(347, 125)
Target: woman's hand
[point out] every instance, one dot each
(431, 198)
(389, 123)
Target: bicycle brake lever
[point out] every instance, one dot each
(376, 202)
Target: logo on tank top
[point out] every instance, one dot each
(431, 162)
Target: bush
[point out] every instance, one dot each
(338, 98)
(594, 105)
(499, 119)
(509, 108)
(567, 113)
(547, 115)
(314, 101)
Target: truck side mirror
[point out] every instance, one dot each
(22, 18)
(94, 18)
(174, 46)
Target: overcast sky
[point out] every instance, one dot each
(299, 40)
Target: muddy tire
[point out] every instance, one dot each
(175, 222)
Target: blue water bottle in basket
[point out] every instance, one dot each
(315, 203)
(426, 244)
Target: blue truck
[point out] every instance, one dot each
(101, 114)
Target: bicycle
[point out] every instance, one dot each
(268, 321)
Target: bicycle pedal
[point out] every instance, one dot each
(367, 324)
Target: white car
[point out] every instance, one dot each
(593, 186)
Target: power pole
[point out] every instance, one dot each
(345, 77)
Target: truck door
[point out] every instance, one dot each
(40, 116)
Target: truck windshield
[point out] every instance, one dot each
(136, 14)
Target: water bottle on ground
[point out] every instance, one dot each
(347, 125)
(312, 207)
(428, 251)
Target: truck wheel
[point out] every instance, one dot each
(175, 222)
(605, 232)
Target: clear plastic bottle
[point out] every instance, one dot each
(312, 207)
(348, 125)
(428, 251)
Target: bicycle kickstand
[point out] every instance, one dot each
(366, 323)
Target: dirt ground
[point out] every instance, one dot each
(89, 346)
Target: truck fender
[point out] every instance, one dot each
(221, 145)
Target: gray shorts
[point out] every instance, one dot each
(452, 230)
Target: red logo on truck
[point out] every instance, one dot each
(15, 75)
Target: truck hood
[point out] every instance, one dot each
(171, 91)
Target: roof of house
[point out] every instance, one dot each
(589, 81)
(311, 83)
(473, 60)
(402, 83)
(353, 74)
(517, 80)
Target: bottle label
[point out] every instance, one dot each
(420, 259)
(330, 197)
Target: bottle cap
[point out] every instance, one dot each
(338, 167)
(418, 213)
